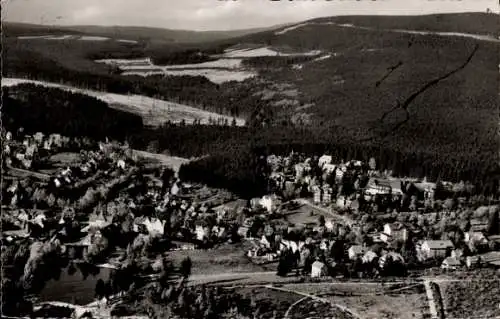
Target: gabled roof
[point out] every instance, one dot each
(450, 261)
(357, 249)
(396, 226)
(438, 244)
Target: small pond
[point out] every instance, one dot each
(76, 284)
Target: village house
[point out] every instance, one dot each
(458, 253)
(390, 256)
(288, 244)
(318, 269)
(80, 248)
(23, 220)
(427, 189)
(55, 140)
(154, 226)
(270, 203)
(96, 221)
(300, 169)
(394, 232)
(202, 232)
(339, 173)
(327, 194)
(325, 159)
(377, 186)
(343, 202)
(380, 186)
(39, 219)
(355, 252)
(434, 249)
(329, 169)
(478, 225)
(369, 256)
(316, 194)
(38, 137)
(451, 263)
(476, 241)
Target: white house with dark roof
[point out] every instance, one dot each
(355, 251)
(318, 269)
(451, 263)
(434, 249)
(394, 232)
(377, 186)
(325, 159)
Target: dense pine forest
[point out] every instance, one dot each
(41, 109)
(231, 157)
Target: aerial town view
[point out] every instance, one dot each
(335, 159)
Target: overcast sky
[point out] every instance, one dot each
(217, 14)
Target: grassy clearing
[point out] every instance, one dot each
(394, 306)
(65, 159)
(153, 111)
(224, 259)
(302, 215)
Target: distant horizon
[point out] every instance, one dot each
(240, 29)
(217, 15)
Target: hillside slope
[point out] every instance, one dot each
(127, 32)
(386, 82)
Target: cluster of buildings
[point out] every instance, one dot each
(358, 187)
(349, 183)
(23, 154)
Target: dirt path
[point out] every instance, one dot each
(41, 176)
(480, 37)
(287, 313)
(430, 299)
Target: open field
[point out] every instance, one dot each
(213, 75)
(153, 111)
(302, 215)
(400, 306)
(224, 259)
(372, 300)
(173, 162)
(217, 71)
(65, 159)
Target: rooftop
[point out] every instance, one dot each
(438, 244)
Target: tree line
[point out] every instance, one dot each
(37, 108)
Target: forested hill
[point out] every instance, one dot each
(474, 22)
(128, 32)
(51, 110)
(369, 87)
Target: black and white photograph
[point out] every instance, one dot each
(250, 159)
